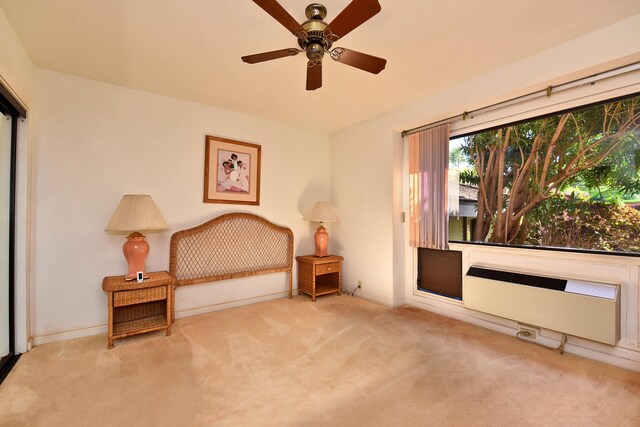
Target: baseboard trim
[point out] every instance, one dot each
(68, 335)
(194, 311)
(399, 303)
(616, 356)
(383, 301)
(102, 329)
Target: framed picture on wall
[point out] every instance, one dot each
(231, 171)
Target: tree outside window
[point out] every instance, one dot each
(566, 180)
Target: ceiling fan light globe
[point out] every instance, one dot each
(315, 51)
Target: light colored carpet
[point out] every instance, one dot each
(341, 361)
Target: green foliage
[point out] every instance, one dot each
(617, 176)
(573, 222)
(522, 168)
(469, 176)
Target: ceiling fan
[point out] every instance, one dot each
(316, 37)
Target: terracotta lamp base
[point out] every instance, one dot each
(322, 242)
(135, 250)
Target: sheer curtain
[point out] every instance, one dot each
(428, 188)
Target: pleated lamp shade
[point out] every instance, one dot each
(321, 212)
(135, 213)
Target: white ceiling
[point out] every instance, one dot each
(191, 49)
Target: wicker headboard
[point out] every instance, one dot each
(229, 246)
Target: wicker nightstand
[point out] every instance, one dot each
(136, 308)
(319, 276)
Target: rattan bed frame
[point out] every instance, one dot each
(230, 246)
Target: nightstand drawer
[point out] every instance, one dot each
(333, 267)
(138, 296)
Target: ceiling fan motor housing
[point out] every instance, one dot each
(316, 42)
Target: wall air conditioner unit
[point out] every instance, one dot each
(583, 309)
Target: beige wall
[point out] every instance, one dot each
(371, 197)
(361, 187)
(95, 142)
(16, 70)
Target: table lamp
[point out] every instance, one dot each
(136, 213)
(321, 212)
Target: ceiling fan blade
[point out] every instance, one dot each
(354, 15)
(268, 56)
(365, 62)
(314, 75)
(273, 8)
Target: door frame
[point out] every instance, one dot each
(9, 106)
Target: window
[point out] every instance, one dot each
(566, 180)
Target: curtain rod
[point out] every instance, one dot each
(544, 92)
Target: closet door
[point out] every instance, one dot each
(6, 122)
(10, 112)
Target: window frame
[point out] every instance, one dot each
(539, 117)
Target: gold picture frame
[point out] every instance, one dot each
(231, 171)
